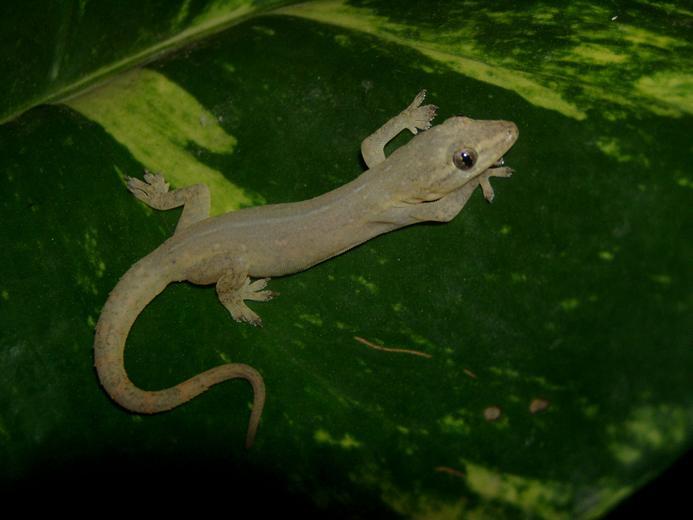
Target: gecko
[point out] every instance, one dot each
(430, 178)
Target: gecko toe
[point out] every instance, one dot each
(487, 189)
(254, 320)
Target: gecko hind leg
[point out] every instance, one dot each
(234, 288)
(154, 192)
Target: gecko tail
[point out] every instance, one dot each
(140, 285)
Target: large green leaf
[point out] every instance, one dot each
(572, 290)
(51, 50)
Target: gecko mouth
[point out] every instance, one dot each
(500, 162)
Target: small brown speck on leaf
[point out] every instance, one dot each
(492, 413)
(450, 471)
(375, 346)
(538, 405)
(469, 373)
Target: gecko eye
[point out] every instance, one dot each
(465, 158)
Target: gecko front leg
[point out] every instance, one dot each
(449, 206)
(415, 117)
(485, 184)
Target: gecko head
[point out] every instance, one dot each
(449, 155)
(478, 144)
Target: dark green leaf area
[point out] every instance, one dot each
(572, 287)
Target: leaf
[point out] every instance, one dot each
(554, 379)
(58, 49)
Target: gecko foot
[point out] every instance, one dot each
(419, 117)
(232, 297)
(242, 313)
(151, 191)
(486, 187)
(254, 290)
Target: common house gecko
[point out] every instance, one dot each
(428, 179)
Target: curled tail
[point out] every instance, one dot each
(140, 285)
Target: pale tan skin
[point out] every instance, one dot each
(425, 180)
